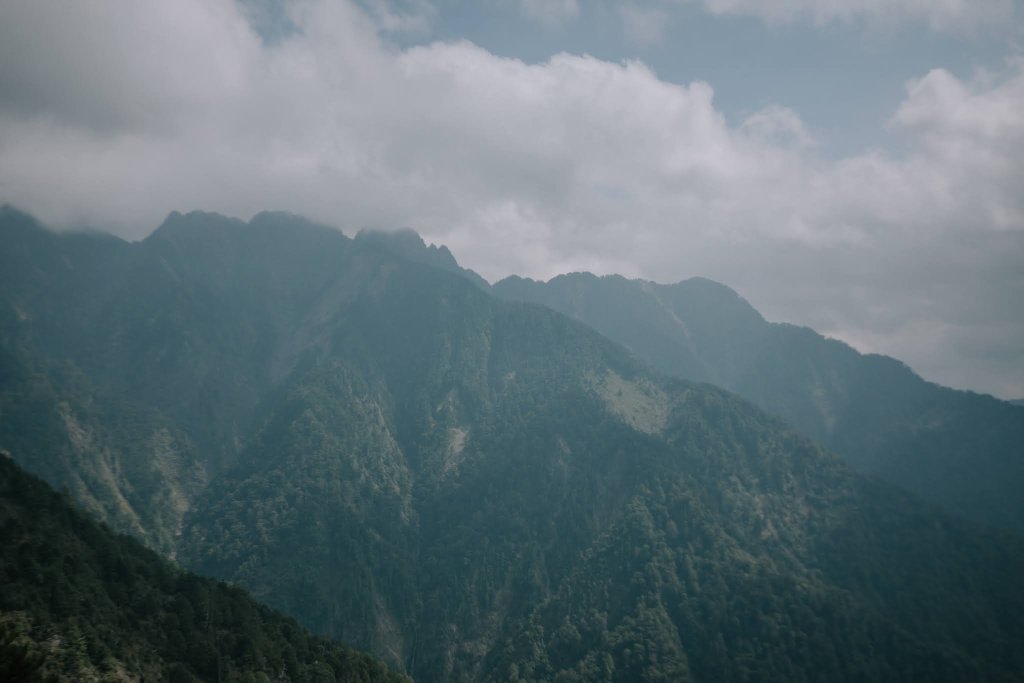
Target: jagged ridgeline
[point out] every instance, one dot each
(80, 603)
(477, 489)
(959, 449)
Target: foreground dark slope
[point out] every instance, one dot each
(961, 450)
(482, 490)
(81, 604)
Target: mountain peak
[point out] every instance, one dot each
(178, 225)
(700, 292)
(407, 244)
(13, 221)
(204, 230)
(285, 220)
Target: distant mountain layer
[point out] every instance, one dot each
(471, 488)
(79, 603)
(961, 450)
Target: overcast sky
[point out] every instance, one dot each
(852, 165)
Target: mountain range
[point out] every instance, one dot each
(474, 487)
(959, 449)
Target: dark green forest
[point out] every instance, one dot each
(363, 437)
(81, 603)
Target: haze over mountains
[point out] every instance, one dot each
(474, 488)
(959, 449)
(962, 450)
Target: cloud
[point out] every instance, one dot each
(779, 125)
(550, 13)
(161, 61)
(574, 163)
(939, 15)
(643, 25)
(409, 17)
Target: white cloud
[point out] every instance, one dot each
(575, 163)
(161, 61)
(939, 15)
(780, 125)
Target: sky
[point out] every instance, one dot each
(856, 166)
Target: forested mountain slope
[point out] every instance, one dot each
(477, 489)
(131, 371)
(962, 450)
(80, 603)
(454, 470)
